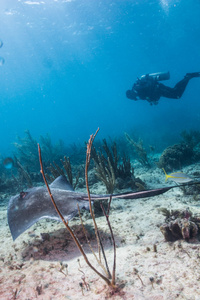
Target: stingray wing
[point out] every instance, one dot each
(28, 207)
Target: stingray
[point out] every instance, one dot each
(26, 208)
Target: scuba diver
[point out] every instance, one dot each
(148, 87)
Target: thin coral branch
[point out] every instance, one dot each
(88, 155)
(139, 150)
(108, 210)
(113, 240)
(67, 226)
(99, 242)
(24, 173)
(97, 259)
(105, 173)
(48, 188)
(67, 166)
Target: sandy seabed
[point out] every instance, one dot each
(31, 268)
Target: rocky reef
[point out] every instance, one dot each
(180, 225)
(184, 153)
(175, 157)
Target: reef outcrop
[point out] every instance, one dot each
(175, 157)
(180, 225)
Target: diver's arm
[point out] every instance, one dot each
(132, 94)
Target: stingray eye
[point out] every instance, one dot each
(22, 195)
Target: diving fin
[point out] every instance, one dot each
(192, 75)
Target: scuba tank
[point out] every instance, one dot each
(160, 76)
(156, 76)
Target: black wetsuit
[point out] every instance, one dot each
(150, 89)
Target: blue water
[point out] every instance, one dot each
(69, 63)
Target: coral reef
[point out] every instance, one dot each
(4, 185)
(25, 170)
(27, 151)
(191, 138)
(175, 157)
(110, 171)
(14, 179)
(23, 174)
(139, 151)
(179, 225)
(184, 153)
(106, 161)
(56, 171)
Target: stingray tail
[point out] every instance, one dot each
(141, 194)
(134, 195)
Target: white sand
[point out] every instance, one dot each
(29, 267)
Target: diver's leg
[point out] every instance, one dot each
(167, 92)
(175, 92)
(180, 86)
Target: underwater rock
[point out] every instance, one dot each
(176, 156)
(179, 229)
(179, 225)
